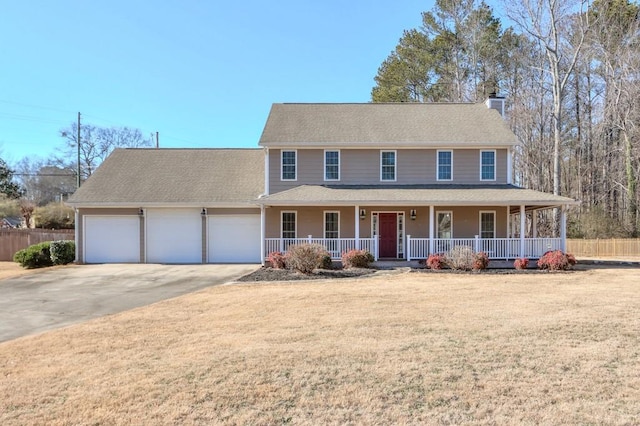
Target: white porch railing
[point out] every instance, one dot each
(335, 246)
(496, 248)
(418, 248)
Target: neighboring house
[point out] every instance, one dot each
(400, 180)
(11, 222)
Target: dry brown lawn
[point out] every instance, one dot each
(404, 348)
(12, 269)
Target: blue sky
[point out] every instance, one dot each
(203, 73)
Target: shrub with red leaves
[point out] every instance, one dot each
(556, 260)
(277, 260)
(521, 263)
(480, 261)
(435, 261)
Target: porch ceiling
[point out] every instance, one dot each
(415, 195)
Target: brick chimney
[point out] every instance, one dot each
(495, 102)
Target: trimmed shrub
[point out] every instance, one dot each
(357, 259)
(521, 263)
(277, 260)
(480, 261)
(556, 260)
(62, 252)
(460, 258)
(35, 256)
(306, 257)
(327, 263)
(435, 261)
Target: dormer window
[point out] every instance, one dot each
(289, 168)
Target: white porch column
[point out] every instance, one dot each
(563, 228)
(432, 227)
(508, 222)
(262, 233)
(534, 224)
(356, 217)
(523, 224)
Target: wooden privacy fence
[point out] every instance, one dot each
(622, 247)
(13, 240)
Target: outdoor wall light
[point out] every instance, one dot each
(203, 212)
(413, 215)
(363, 214)
(141, 212)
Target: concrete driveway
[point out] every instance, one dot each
(54, 298)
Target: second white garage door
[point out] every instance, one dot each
(174, 236)
(234, 238)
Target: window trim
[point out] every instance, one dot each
(395, 165)
(295, 165)
(480, 213)
(295, 218)
(438, 165)
(438, 213)
(495, 167)
(324, 223)
(325, 165)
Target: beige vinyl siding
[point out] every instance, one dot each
(310, 220)
(362, 167)
(466, 220)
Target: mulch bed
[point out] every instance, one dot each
(271, 274)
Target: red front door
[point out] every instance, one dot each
(388, 232)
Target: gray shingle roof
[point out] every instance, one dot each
(385, 125)
(443, 195)
(198, 177)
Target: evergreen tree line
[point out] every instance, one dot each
(570, 71)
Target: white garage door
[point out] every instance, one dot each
(173, 236)
(234, 239)
(111, 239)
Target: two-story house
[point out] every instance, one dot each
(400, 180)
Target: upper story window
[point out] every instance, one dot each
(445, 165)
(332, 165)
(487, 165)
(388, 165)
(289, 165)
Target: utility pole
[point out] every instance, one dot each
(157, 140)
(78, 170)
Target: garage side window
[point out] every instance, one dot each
(288, 225)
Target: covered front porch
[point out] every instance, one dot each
(412, 223)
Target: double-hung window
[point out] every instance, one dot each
(487, 224)
(487, 165)
(332, 165)
(288, 225)
(445, 165)
(289, 169)
(331, 224)
(388, 165)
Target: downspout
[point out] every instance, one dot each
(77, 236)
(266, 171)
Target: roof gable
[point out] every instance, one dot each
(385, 124)
(138, 177)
